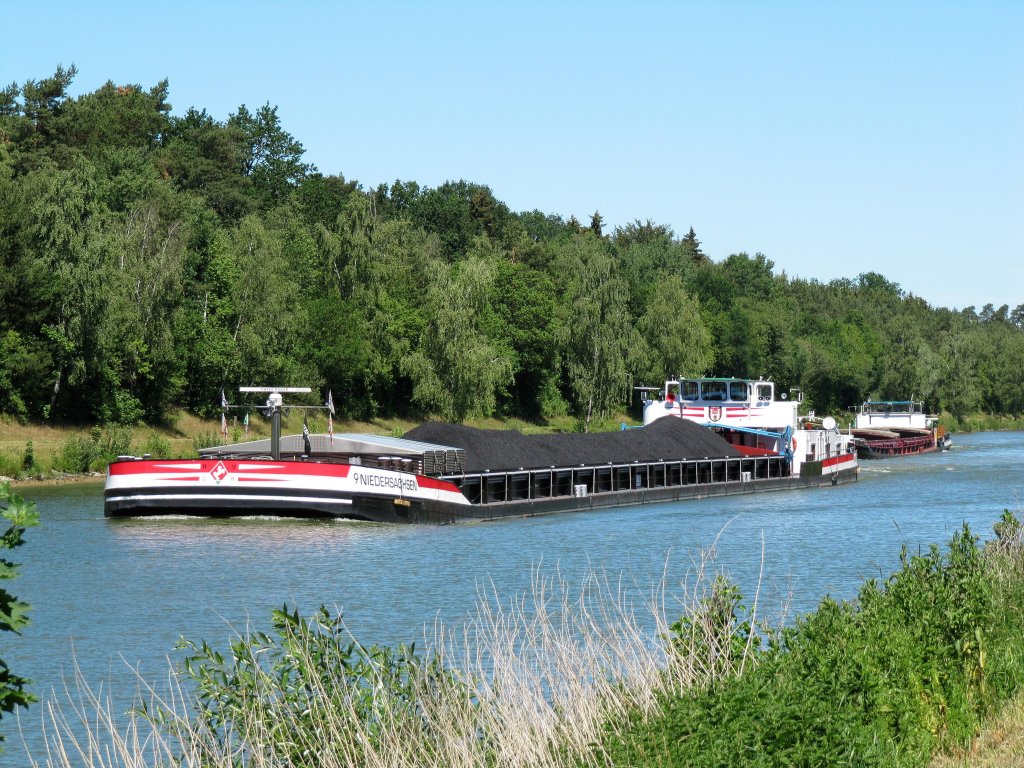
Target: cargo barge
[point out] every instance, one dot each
(887, 428)
(444, 473)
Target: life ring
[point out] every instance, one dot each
(794, 445)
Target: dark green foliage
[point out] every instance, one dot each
(113, 118)
(456, 212)
(271, 157)
(647, 233)
(542, 227)
(524, 300)
(19, 515)
(203, 156)
(149, 260)
(322, 199)
(887, 679)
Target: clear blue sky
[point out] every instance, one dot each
(834, 137)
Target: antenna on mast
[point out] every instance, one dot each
(274, 404)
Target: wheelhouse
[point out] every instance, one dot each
(720, 390)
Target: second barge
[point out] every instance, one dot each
(887, 428)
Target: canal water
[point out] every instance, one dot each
(110, 598)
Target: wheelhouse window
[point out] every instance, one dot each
(764, 392)
(689, 390)
(888, 406)
(738, 391)
(714, 390)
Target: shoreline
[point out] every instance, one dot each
(33, 482)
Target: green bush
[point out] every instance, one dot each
(80, 455)
(29, 467)
(75, 455)
(719, 636)
(157, 447)
(114, 441)
(206, 440)
(886, 679)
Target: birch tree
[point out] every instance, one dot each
(677, 338)
(596, 336)
(457, 370)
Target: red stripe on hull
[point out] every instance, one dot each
(437, 485)
(249, 471)
(837, 460)
(234, 467)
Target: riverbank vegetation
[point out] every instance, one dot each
(150, 261)
(17, 515)
(907, 672)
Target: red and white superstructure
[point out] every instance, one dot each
(756, 421)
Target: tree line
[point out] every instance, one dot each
(151, 260)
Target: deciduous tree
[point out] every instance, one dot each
(596, 336)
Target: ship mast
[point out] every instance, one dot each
(275, 403)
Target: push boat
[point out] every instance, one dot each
(885, 428)
(759, 421)
(445, 473)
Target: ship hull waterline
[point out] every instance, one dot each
(870, 452)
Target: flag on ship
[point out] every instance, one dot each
(330, 416)
(305, 436)
(224, 427)
(223, 400)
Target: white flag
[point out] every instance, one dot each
(330, 416)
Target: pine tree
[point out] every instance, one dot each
(692, 245)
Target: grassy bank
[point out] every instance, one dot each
(909, 672)
(982, 422)
(42, 452)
